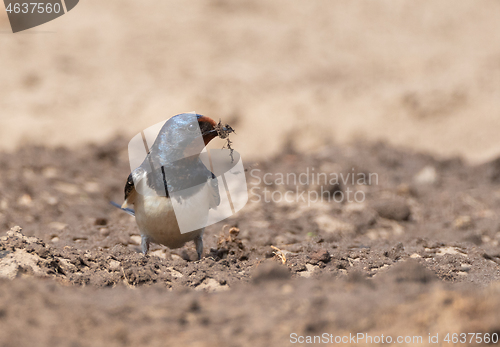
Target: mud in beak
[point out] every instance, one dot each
(218, 131)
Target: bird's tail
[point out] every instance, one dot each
(127, 210)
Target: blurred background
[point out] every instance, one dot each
(423, 75)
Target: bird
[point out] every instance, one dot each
(171, 170)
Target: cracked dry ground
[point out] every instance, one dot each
(420, 255)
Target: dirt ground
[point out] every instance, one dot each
(418, 256)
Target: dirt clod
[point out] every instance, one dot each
(320, 255)
(395, 209)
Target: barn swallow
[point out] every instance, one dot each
(173, 170)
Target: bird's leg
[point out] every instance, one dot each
(144, 244)
(198, 241)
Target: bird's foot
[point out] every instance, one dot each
(198, 241)
(144, 244)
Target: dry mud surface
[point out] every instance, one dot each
(420, 255)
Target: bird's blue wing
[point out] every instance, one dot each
(127, 210)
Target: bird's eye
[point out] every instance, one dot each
(193, 127)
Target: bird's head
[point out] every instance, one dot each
(184, 135)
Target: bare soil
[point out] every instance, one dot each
(420, 255)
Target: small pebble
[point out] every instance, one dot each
(395, 209)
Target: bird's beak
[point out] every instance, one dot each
(221, 131)
(214, 131)
(209, 136)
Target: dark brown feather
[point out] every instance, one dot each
(129, 186)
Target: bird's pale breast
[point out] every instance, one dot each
(156, 219)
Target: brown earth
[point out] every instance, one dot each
(418, 256)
